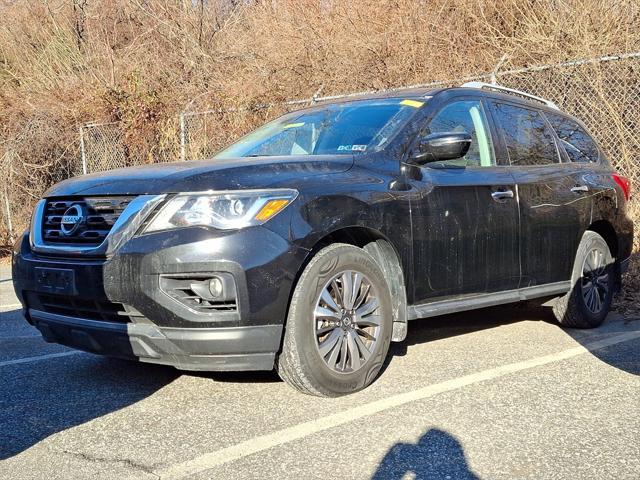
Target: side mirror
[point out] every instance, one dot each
(442, 146)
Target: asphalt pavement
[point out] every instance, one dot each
(500, 393)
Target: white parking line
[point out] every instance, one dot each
(264, 442)
(38, 358)
(10, 306)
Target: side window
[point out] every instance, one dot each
(466, 116)
(527, 136)
(577, 143)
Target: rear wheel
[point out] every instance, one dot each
(589, 300)
(339, 324)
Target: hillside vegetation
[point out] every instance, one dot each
(141, 62)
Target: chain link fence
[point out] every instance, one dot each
(101, 147)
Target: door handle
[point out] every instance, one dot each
(580, 189)
(502, 195)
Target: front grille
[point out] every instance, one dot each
(99, 214)
(78, 307)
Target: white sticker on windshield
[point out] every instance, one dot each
(352, 148)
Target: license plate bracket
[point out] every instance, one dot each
(59, 281)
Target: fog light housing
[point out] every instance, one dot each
(202, 292)
(216, 289)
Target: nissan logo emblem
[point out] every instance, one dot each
(71, 220)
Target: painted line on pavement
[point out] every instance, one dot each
(38, 358)
(260, 443)
(12, 305)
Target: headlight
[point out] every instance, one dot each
(221, 210)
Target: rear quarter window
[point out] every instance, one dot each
(580, 147)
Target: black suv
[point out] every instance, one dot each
(309, 244)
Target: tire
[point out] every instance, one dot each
(574, 310)
(330, 374)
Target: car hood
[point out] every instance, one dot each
(202, 175)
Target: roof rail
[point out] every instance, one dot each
(500, 88)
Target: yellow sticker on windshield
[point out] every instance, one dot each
(293, 125)
(412, 103)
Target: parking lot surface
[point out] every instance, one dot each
(499, 393)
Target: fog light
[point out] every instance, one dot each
(215, 287)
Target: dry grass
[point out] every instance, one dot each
(628, 302)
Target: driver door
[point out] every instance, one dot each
(464, 212)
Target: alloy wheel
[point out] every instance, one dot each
(595, 280)
(347, 321)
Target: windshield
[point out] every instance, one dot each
(345, 128)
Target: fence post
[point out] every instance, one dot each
(497, 67)
(82, 152)
(314, 99)
(8, 209)
(183, 138)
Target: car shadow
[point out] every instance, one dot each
(455, 324)
(428, 330)
(239, 377)
(40, 399)
(437, 454)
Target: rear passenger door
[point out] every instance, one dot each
(553, 196)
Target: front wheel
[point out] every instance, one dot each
(589, 300)
(339, 324)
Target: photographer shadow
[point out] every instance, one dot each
(436, 455)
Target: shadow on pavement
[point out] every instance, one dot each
(447, 326)
(621, 356)
(436, 455)
(239, 377)
(455, 324)
(49, 397)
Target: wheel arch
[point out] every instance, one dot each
(384, 252)
(606, 230)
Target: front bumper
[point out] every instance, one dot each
(236, 348)
(152, 326)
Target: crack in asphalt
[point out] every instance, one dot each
(124, 461)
